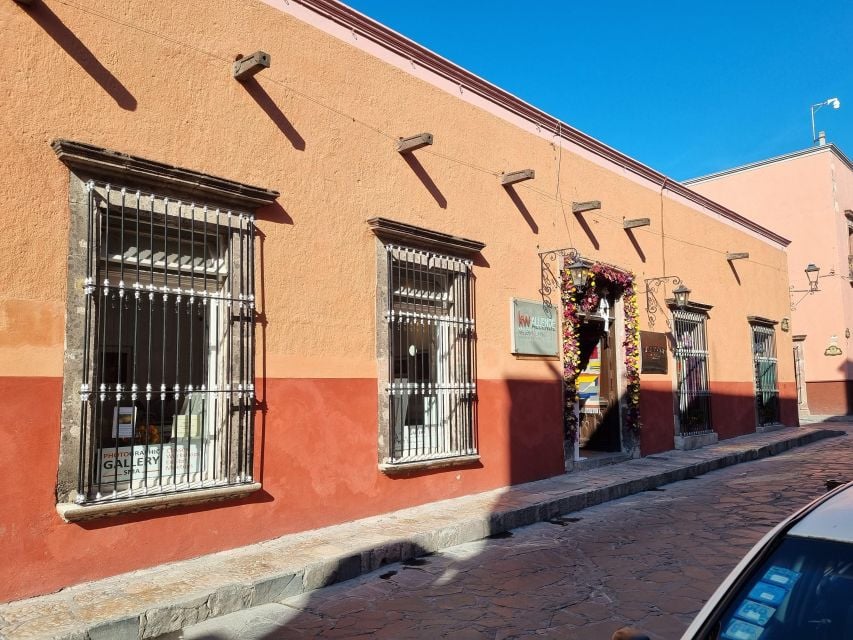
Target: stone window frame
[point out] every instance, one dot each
(88, 162)
(393, 232)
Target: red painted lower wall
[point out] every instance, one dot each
(733, 408)
(316, 445)
(316, 455)
(656, 414)
(830, 398)
(789, 412)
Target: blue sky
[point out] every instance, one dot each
(687, 88)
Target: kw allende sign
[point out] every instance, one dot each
(534, 328)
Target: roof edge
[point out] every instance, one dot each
(830, 147)
(403, 46)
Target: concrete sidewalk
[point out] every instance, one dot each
(151, 602)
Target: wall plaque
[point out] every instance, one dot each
(534, 328)
(653, 352)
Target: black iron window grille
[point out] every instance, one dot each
(766, 382)
(693, 392)
(430, 336)
(167, 399)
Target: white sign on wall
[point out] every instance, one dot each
(534, 328)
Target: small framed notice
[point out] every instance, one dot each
(124, 421)
(653, 356)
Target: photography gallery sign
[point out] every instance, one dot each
(534, 328)
(151, 461)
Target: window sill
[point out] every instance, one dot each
(72, 512)
(404, 468)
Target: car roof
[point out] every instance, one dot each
(831, 519)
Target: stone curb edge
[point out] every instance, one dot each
(160, 622)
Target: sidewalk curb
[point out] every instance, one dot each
(332, 558)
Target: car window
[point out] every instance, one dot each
(802, 591)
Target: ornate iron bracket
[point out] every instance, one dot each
(652, 304)
(550, 263)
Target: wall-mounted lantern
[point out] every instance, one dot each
(682, 296)
(577, 272)
(413, 143)
(813, 274)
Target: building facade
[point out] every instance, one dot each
(807, 196)
(235, 308)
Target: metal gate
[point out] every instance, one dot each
(766, 387)
(691, 370)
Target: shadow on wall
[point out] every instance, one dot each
(74, 47)
(422, 174)
(522, 208)
(265, 102)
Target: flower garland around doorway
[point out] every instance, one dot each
(602, 279)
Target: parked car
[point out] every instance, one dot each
(795, 584)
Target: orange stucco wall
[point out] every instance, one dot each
(319, 126)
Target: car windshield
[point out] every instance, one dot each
(802, 591)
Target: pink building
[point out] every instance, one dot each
(806, 196)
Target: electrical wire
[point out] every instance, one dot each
(269, 77)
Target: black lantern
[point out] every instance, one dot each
(577, 271)
(682, 295)
(812, 273)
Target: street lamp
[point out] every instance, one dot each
(835, 103)
(813, 273)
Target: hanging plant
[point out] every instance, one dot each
(603, 279)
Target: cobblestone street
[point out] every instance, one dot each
(649, 560)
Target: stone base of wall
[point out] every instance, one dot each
(686, 443)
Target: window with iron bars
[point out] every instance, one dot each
(167, 394)
(766, 382)
(693, 392)
(430, 327)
